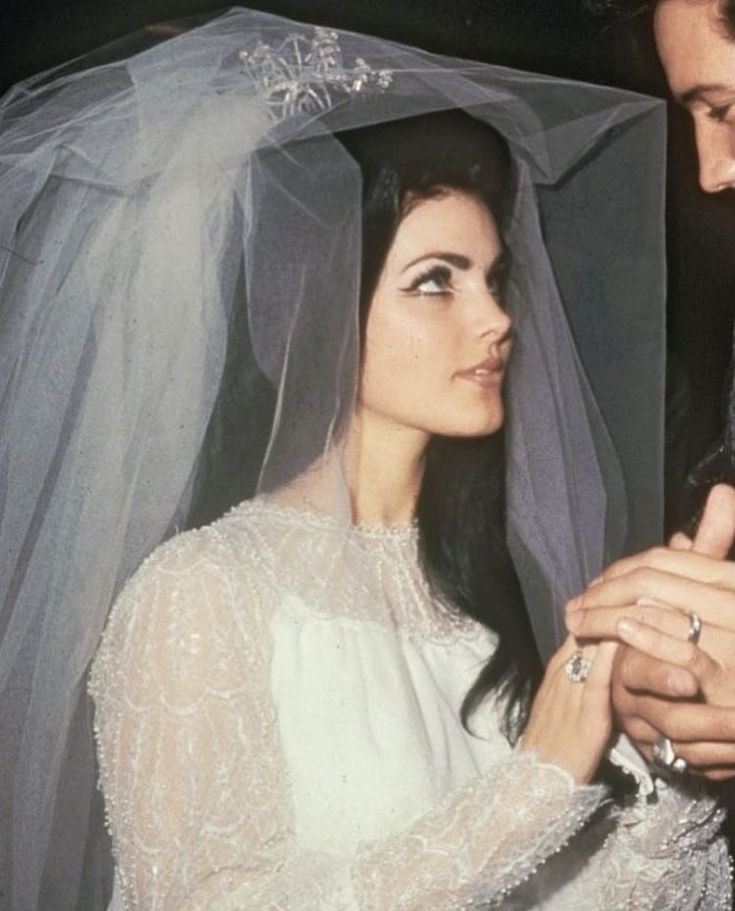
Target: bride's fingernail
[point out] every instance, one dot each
(627, 628)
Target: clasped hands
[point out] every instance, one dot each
(663, 683)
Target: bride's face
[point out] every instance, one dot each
(437, 337)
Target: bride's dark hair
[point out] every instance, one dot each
(461, 508)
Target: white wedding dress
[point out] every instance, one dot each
(277, 710)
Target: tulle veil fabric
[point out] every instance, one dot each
(179, 256)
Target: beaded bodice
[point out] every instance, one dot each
(366, 573)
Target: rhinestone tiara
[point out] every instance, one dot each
(305, 74)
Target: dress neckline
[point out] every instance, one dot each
(314, 518)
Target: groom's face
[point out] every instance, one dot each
(698, 55)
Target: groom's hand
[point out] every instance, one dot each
(658, 674)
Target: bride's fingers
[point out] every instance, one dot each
(600, 674)
(562, 654)
(596, 702)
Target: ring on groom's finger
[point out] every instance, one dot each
(577, 667)
(664, 755)
(695, 627)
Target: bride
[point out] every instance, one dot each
(332, 696)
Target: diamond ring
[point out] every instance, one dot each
(577, 667)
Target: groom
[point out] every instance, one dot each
(665, 681)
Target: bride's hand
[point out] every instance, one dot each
(571, 722)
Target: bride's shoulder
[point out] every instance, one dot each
(232, 548)
(220, 564)
(198, 594)
(210, 574)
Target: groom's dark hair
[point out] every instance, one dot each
(622, 9)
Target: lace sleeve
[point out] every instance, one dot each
(666, 853)
(195, 787)
(663, 851)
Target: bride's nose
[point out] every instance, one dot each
(492, 321)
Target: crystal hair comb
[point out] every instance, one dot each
(303, 74)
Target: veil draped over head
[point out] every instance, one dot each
(179, 279)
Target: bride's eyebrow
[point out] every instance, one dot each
(454, 259)
(459, 261)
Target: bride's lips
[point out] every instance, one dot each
(487, 373)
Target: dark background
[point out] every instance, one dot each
(552, 36)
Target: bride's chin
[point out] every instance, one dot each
(475, 426)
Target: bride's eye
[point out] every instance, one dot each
(435, 281)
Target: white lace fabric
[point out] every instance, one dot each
(277, 723)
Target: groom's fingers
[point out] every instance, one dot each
(716, 531)
(602, 622)
(639, 731)
(637, 673)
(688, 722)
(664, 647)
(712, 598)
(679, 541)
(706, 754)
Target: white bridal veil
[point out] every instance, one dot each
(179, 255)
